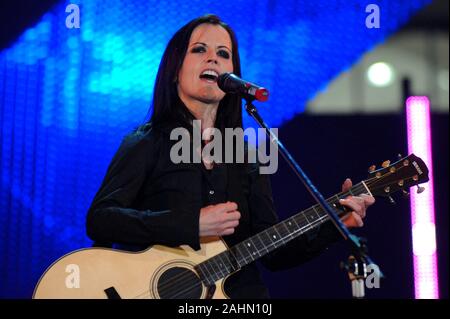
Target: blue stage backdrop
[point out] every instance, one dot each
(69, 95)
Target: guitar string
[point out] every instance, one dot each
(165, 287)
(302, 216)
(274, 244)
(174, 280)
(190, 285)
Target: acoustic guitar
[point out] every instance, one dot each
(161, 272)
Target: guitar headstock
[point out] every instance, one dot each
(399, 176)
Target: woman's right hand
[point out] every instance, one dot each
(219, 220)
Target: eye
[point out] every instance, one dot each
(198, 49)
(224, 54)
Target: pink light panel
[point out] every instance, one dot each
(422, 205)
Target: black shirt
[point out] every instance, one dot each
(146, 199)
(214, 184)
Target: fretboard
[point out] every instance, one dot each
(272, 238)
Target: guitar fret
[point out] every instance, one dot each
(289, 233)
(358, 190)
(263, 245)
(222, 264)
(337, 198)
(213, 272)
(260, 244)
(281, 233)
(229, 265)
(268, 241)
(316, 211)
(278, 233)
(364, 186)
(274, 237)
(255, 246)
(297, 221)
(294, 219)
(247, 245)
(305, 223)
(292, 227)
(311, 216)
(218, 273)
(288, 224)
(206, 274)
(233, 262)
(239, 256)
(266, 232)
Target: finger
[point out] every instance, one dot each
(364, 200)
(356, 204)
(228, 206)
(352, 220)
(368, 200)
(230, 224)
(357, 220)
(347, 185)
(234, 215)
(227, 231)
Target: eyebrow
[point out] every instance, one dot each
(220, 46)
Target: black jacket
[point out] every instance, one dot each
(146, 199)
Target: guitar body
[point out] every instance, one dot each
(158, 272)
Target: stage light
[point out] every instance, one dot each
(422, 205)
(380, 74)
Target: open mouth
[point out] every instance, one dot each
(209, 76)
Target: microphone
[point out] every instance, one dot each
(231, 83)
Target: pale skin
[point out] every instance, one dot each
(210, 48)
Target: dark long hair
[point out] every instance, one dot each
(167, 106)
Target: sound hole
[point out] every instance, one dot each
(179, 283)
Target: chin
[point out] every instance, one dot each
(211, 98)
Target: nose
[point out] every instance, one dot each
(212, 58)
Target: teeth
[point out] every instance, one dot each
(210, 72)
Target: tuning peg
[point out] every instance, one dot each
(386, 164)
(420, 189)
(405, 193)
(399, 156)
(391, 200)
(372, 168)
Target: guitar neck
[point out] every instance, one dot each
(273, 237)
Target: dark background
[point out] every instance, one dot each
(331, 148)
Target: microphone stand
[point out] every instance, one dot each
(357, 271)
(359, 249)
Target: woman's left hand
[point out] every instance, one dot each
(358, 205)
